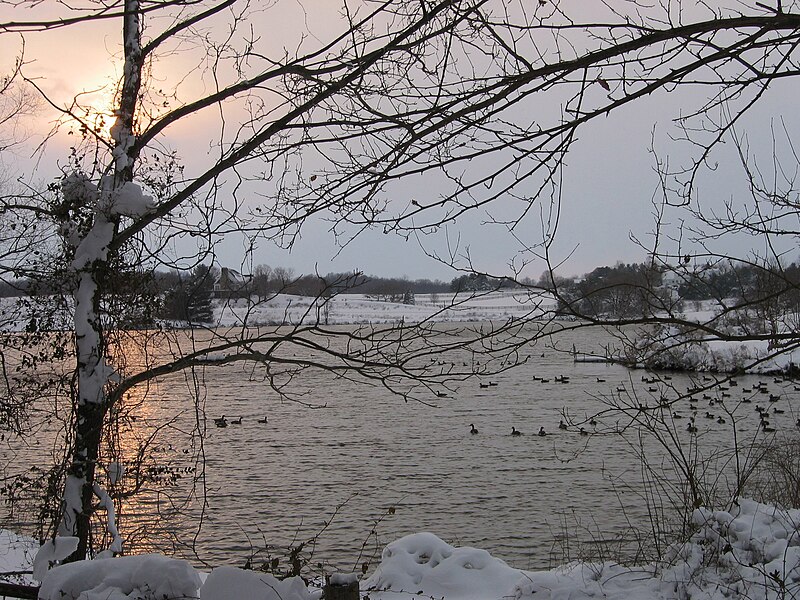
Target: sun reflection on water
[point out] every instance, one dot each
(153, 434)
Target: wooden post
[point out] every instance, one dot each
(341, 586)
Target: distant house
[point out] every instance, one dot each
(231, 284)
(672, 280)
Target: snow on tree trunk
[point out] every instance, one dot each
(116, 195)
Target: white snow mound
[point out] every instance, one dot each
(229, 583)
(751, 551)
(143, 577)
(421, 563)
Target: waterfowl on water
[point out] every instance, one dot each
(264, 420)
(542, 432)
(562, 425)
(472, 429)
(583, 431)
(515, 432)
(221, 421)
(236, 421)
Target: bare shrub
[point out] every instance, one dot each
(777, 480)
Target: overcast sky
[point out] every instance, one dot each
(608, 184)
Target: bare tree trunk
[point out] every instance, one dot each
(93, 374)
(90, 263)
(81, 476)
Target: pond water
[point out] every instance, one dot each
(367, 467)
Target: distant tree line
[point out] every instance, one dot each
(639, 289)
(187, 295)
(622, 290)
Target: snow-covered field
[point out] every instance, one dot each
(751, 551)
(361, 309)
(708, 356)
(284, 309)
(502, 306)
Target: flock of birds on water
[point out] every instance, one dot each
(692, 393)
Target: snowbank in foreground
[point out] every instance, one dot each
(16, 556)
(751, 552)
(145, 576)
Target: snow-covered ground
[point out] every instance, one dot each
(672, 348)
(751, 551)
(339, 310)
(361, 309)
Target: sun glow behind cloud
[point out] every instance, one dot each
(608, 174)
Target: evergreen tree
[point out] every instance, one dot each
(191, 299)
